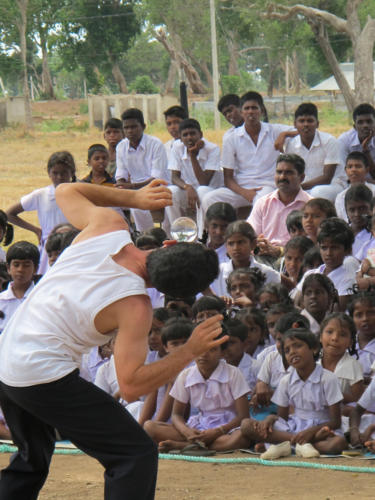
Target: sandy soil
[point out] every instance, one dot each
(80, 477)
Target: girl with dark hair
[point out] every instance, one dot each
(61, 169)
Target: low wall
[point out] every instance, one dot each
(101, 108)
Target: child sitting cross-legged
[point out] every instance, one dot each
(158, 404)
(219, 392)
(315, 395)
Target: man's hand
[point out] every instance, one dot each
(193, 200)
(194, 150)
(267, 248)
(366, 141)
(204, 336)
(153, 196)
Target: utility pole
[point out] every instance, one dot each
(215, 70)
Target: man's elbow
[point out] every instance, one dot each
(129, 392)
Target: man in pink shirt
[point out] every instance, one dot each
(268, 216)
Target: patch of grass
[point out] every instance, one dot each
(83, 108)
(331, 117)
(65, 124)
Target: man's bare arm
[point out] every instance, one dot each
(82, 204)
(134, 319)
(325, 178)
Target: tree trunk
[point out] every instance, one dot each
(296, 81)
(21, 26)
(171, 79)
(46, 74)
(119, 78)
(233, 48)
(182, 61)
(363, 60)
(321, 35)
(271, 77)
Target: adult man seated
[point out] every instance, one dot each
(248, 157)
(268, 217)
(324, 172)
(361, 136)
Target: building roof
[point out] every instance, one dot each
(330, 83)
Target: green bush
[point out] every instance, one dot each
(83, 108)
(143, 85)
(230, 84)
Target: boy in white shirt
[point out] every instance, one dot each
(230, 107)
(139, 159)
(357, 171)
(22, 262)
(324, 175)
(173, 117)
(195, 166)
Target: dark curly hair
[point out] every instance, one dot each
(183, 269)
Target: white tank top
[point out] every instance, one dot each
(46, 337)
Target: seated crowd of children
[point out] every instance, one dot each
(289, 211)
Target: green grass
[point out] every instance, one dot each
(62, 125)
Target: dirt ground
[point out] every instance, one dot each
(80, 477)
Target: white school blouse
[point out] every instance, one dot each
(219, 285)
(47, 336)
(44, 202)
(349, 371)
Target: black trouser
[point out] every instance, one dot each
(92, 420)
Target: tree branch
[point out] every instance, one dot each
(337, 23)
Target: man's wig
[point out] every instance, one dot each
(183, 269)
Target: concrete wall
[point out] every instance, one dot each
(101, 108)
(12, 111)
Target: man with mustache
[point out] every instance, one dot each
(269, 213)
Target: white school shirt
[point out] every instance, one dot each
(9, 303)
(324, 150)
(44, 202)
(362, 239)
(340, 201)
(216, 394)
(222, 254)
(349, 142)
(3, 255)
(51, 330)
(314, 325)
(246, 366)
(106, 377)
(367, 400)
(363, 251)
(343, 277)
(208, 158)
(91, 363)
(139, 165)
(272, 369)
(253, 165)
(310, 398)
(219, 285)
(348, 371)
(366, 357)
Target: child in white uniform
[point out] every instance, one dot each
(61, 168)
(218, 217)
(315, 395)
(22, 262)
(218, 391)
(318, 298)
(338, 339)
(335, 241)
(362, 310)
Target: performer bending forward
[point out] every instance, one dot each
(98, 285)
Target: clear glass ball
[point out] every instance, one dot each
(184, 229)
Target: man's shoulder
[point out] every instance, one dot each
(348, 135)
(326, 138)
(210, 146)
(152, 140)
